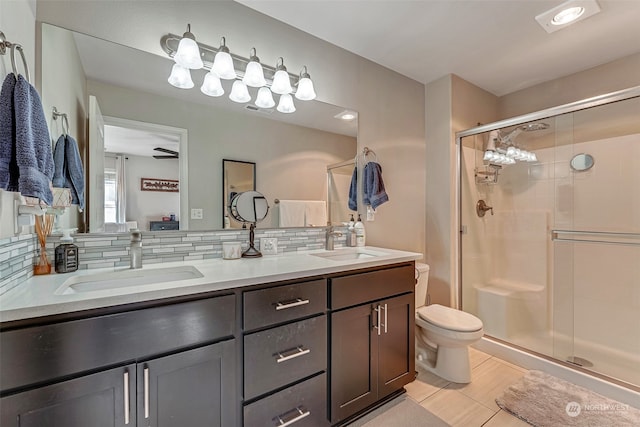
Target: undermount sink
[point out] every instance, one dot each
(127, 278)
(349, 254)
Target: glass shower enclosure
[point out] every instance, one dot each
(549, 247)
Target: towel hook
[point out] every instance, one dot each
(4, 44)
(65, 120)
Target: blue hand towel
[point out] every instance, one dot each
(8, 166)
(32, 144)
(69, 172)
(353, 191)
(374, 193)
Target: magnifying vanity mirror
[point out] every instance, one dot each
(237, 177)
(249, 207)
(187, 134)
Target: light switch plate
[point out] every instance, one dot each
(269, 245)
(196, 214)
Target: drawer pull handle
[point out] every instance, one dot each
(378, 325)
(146, 392)
(293, 303)
(292, 354)
(126, 397)
(298, 413)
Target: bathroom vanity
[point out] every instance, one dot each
(304, 340)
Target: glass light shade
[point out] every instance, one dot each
(188, 54)
(281, 84)
(223, 66)
(211, 85)
(567, 15)
(180, 77)
(239, 92)
(265, 98)
(305, 90)
(254, 75)
(286, 104)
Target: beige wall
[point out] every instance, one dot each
(63, 85)
(391, 106)
(452, 105)
(17, 22)
(610, 77)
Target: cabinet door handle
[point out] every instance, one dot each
(378, 309)
(126, 396)
(297, 414)
(385, 318)
(292, 354)
(293, 303)
(146, 392)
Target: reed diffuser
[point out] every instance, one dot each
(44, 225)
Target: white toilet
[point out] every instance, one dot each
(443, 335)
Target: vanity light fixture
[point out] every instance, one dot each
(188, 54)
(305, 90)
(246, 73)
(281, 83)
(254, 74)
(566, 14)
(223, 63)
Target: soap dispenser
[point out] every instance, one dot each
(66, 253)
(351, 232)
(359, 229)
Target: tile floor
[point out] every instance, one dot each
(470, 404)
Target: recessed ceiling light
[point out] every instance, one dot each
(346, 115)
(566, 14)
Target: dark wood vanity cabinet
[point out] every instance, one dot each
(159, 378)
(285, 355)
(305, 353)
(372, 344)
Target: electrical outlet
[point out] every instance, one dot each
(196, 214)
(269, 245)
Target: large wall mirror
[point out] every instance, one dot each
(131, 124)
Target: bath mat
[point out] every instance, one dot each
(543, 400)
(402, 411)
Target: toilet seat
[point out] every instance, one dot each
(450, 318)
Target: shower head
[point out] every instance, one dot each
(530, 127)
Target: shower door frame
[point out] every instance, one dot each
(572, 107)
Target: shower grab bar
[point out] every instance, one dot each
(555, 236)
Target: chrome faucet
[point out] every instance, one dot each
(135, 252)
(328, 244)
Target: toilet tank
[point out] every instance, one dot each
(422, 276)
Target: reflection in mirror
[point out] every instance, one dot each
(251, 207)
(582, 162)
(237, 177)
(129, 84)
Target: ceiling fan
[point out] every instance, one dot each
(172, 154)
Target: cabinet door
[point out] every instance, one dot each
(104, 399)
(396, 348)
(192, 388)
(353, 363)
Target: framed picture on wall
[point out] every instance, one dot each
(158, 184)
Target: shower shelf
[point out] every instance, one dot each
(487, 174)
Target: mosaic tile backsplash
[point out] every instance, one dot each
(112, 250)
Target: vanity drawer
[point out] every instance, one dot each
(269, 306)
(42, 353)
(279, 356)
(360, 288)
(303, 405)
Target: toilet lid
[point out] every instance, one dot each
(450, 318)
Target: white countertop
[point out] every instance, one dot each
(37, 296)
